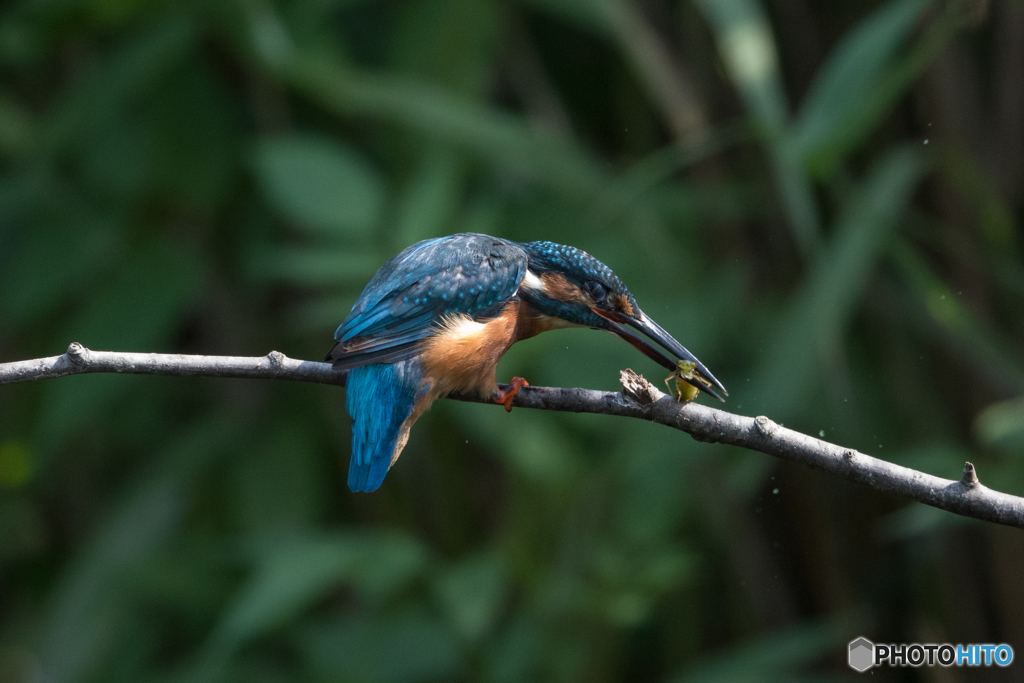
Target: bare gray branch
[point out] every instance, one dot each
(79, 360)
(639, 399)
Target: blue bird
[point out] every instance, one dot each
(437, 318)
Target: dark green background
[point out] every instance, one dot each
(821, 200)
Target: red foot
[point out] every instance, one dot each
(505, 397)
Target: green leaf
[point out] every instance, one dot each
(832, 290)
(87, 610)
(586, 14)
(916, 520)
(314, 266)
(452, 42)
(130, 72)
(777, 657)
(16, 127)
(747, 44)
(23, 531)
(539, 451)
(404, 648)
(1002, 423)
(141, 304)
(852, 81)
(322, 313)
(500, 137)
(293, 574)
(70, 249)
(195, 135)
(471, 593)
(430, 200)
(516, 651)
(649, 180)
(972, 334)
(276, 486)
(320, 184)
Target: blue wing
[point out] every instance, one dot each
(465, 273)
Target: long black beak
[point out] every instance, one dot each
(702, 377)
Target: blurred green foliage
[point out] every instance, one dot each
(819, 199)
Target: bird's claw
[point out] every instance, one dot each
(506, 396)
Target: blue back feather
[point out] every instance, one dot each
(379, 399)
(465, 273)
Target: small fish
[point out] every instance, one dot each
(683, 391)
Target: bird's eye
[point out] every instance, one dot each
(596, 290)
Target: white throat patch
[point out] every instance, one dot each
(531, 281)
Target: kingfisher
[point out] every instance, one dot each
(437, 318)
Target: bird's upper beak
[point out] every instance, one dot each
(702, 377)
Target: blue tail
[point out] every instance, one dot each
(379, 398)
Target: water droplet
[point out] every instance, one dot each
(821, 433)
(926, 141)
(775, 491)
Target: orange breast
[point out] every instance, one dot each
(464, 355)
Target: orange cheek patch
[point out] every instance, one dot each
(560, 289)
(621, 302)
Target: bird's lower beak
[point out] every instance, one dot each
(702, 377)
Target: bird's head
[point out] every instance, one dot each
(568, 283)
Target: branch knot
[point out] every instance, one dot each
(765, 427)
(276, 358)
(638, 388)
(77, 354)
(970, 478)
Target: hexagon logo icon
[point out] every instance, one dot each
(862, 654)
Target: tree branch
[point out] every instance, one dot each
(638, 399)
